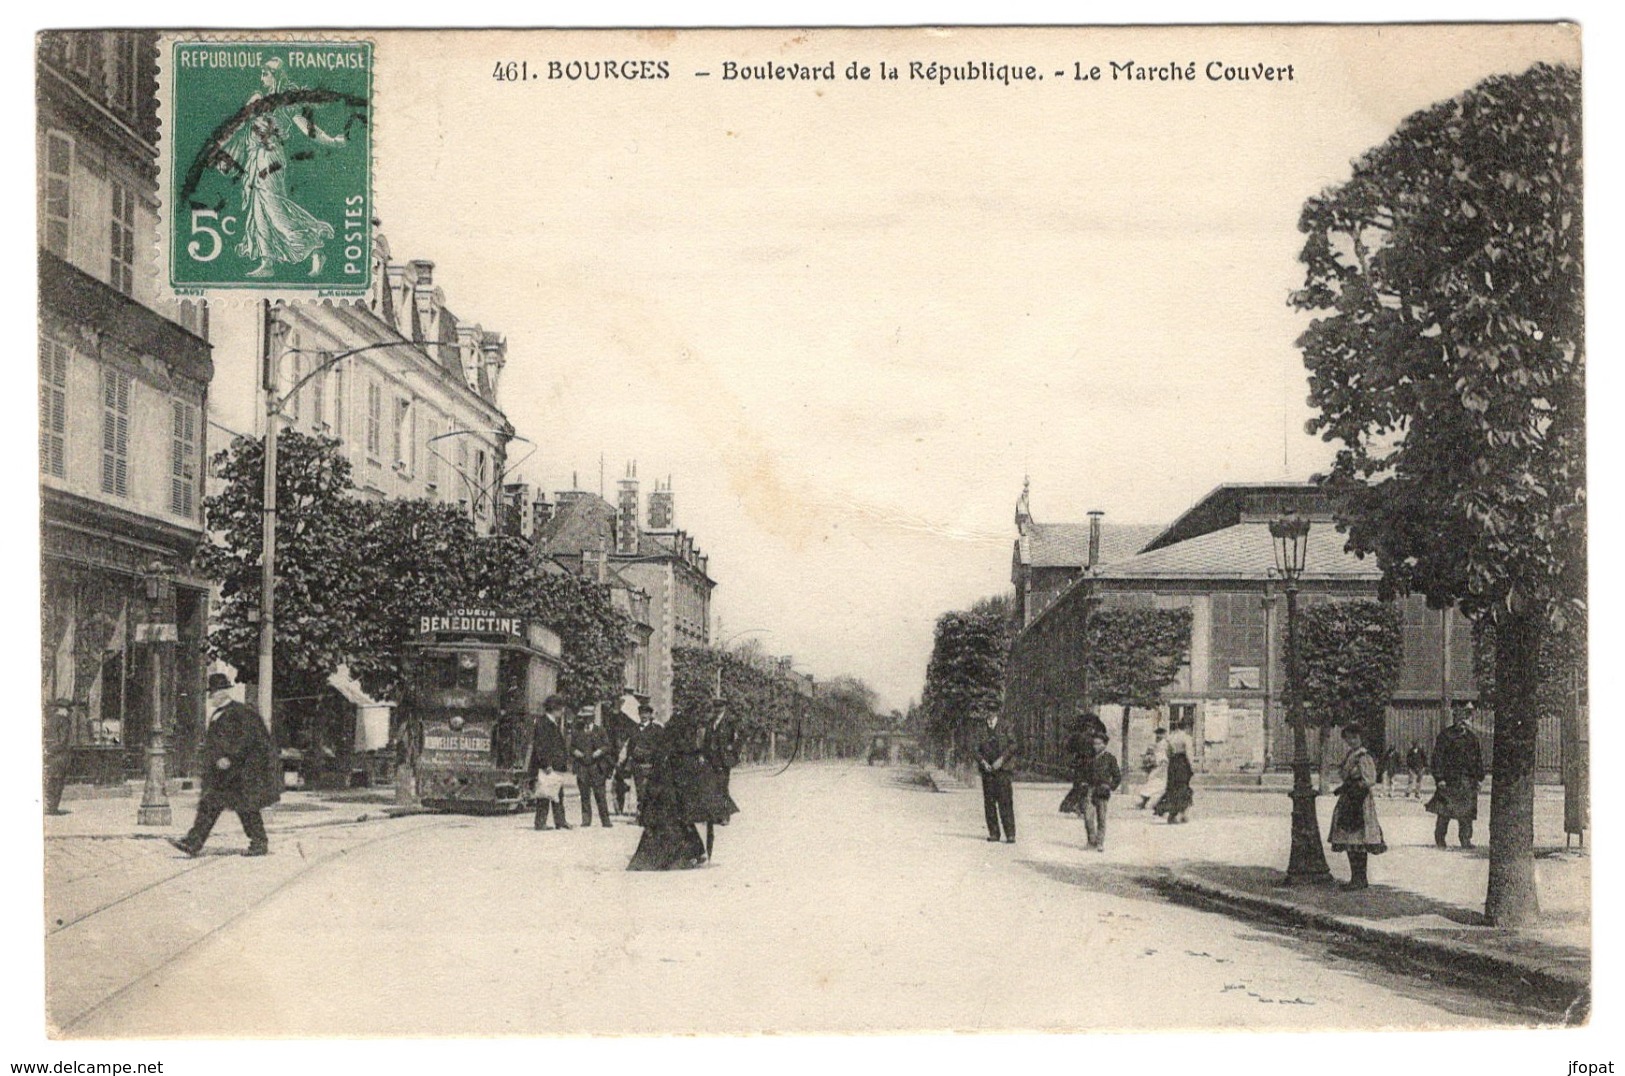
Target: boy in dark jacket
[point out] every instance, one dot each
(1102, 775)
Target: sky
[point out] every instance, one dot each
(846, 319)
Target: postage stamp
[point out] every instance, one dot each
(267, 152)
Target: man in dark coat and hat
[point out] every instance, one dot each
(1458, 767)
(549, 754)
(240, 771)
(996, 759)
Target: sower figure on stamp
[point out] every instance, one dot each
(592, 761)
(1458, 767)
(996, 759)
(276, 229)
(549, 758)
(239, 771)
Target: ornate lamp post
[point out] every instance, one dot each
(159, 628)
(1307, 865)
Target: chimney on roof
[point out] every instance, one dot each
(661, 507)
(1094, 538)
(494, 352)
(626, 521)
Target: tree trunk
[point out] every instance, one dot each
(1512, 900)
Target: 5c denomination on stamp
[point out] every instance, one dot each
(268, 167)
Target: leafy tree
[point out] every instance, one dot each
(849, 713)
(318, 598)
(414, 557)
(964, 681)
(1349, 655)
(764, 702)
(1132, 654)
(1561, 666)
(421, 556)
(1448, 360)
(353, 576)
(506, 571)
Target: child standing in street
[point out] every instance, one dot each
(1102, 776)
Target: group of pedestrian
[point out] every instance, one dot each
(1096, 774)
(1457, 766)
(678, 773)
(683, 772)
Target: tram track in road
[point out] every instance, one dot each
(79, 954)
(201, 863)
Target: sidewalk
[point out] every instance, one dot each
(1425, 905)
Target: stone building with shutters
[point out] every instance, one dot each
(415, 411)
(583, 532)
(124, 380)
(1216, 560)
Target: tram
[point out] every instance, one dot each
(476, 681)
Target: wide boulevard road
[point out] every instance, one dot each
(842, 898)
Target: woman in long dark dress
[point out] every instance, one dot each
(719, 751)
(1177, 798)
(670, 841)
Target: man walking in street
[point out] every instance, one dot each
(1416, 763)
(549, 758)
(58, 753)
(640, 753)
(1102, 775)
(592, 762)
(240, 771)
(996, 759)
(1458, 767)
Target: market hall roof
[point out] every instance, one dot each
(1243, 551)
(1066, 545)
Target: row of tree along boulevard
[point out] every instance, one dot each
(1446, 361)
(354, 576)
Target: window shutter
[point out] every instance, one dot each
(53, 408)
(115, 432)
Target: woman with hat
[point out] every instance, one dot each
(667, 759)
(719, 751)
(1177, 797)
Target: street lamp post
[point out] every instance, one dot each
(159, 628)
(1307, 863)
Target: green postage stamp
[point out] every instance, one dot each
(268, 167)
